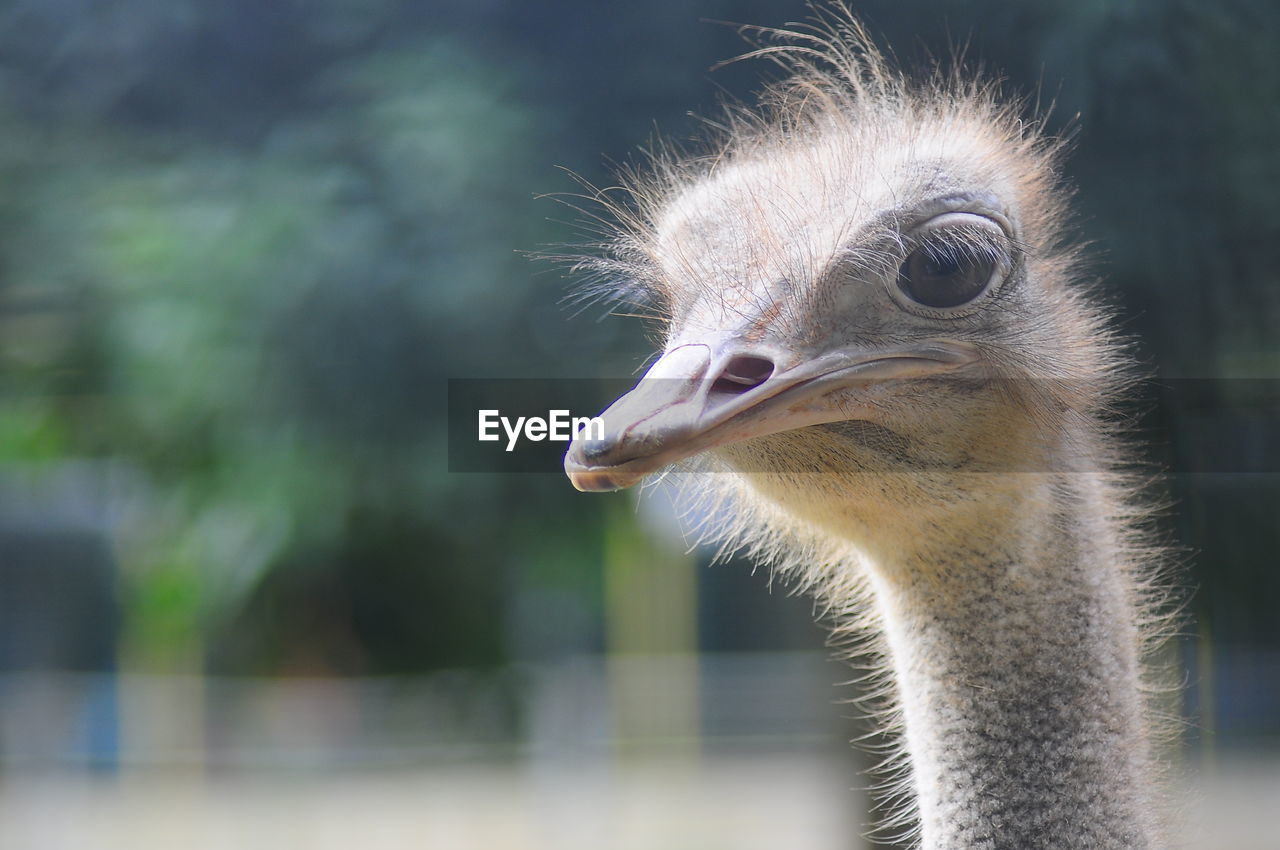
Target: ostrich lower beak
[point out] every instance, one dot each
(699, 396)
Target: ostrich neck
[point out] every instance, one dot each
(1016, 662)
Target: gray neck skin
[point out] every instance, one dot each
(1017, 670)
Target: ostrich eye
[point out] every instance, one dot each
(947, 274)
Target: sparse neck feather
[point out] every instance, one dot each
(1015, 652)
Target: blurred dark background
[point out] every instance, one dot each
(244, 245)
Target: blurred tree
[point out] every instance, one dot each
(246, 251)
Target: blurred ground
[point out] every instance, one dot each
(743, 803)
(761, 801)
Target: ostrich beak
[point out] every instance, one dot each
(698, 396)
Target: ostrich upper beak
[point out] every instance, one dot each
(702, 395)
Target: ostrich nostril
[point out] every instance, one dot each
(741, 374)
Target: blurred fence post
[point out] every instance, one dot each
(650, 590)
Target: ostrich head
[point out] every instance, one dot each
(865, 277)
(873, 326)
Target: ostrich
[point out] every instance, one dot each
(880, 362)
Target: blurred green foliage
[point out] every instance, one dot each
(242, 246)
